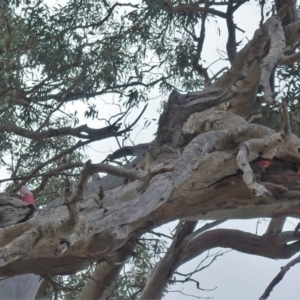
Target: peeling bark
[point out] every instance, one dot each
(203, 165)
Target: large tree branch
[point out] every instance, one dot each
(82, 132)
(271, 246)
(157, 279)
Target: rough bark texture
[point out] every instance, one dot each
(202, 166)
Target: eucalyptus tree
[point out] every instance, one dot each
(208, 160)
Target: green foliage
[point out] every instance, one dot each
(52, 56)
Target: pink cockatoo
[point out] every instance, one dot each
(27, 196)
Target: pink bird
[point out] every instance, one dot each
(27, 196)
(265, 164)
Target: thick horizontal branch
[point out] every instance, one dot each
(83, 132)
(188, 244)
(270, 245)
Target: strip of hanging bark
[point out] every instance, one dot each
(202, 31)
(242, 159)
(277, 39)
(277, 145)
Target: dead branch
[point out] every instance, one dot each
(83, 132)
(279, 277)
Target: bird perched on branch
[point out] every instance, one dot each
(27, 196)
(259, 166)
(265, 164)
